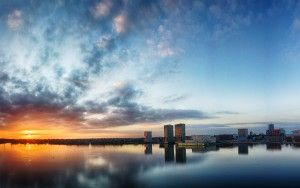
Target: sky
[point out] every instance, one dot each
(114, 68)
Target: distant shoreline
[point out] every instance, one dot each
(119, 141)
(93, 141)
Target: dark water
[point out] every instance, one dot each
(148, 166)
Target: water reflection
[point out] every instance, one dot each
(243, 149)
(273, 146)
(148, 149)
(180, 155)
(169, 153)
(205, 149)
(128, 166)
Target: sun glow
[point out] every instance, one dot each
(28, 132)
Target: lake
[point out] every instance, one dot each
(32, 165)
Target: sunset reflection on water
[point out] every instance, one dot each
(32, 165)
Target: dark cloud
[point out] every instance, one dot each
(3, 77)
(128, 112)
(54, 107)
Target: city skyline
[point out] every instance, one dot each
(86, 69)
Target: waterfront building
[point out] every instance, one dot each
(275, 135)
(148, 136)
(296, 139)
(242, 134)
(296, 132)
(225, 137)
(205, 139)
(270, 129)
(168, 134)
(180, 132)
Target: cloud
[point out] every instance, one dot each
(165, 50)
(106, 42)
(124, 111)
(225, 112)
(174, 98)
(296, 24)
(3, 77)
(102, 9)
(121, 23)
(15, 20)
(45, 106)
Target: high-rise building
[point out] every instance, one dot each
(243, 133)
(148, 136)
(168, 134)
(270, 130)
(180, 132)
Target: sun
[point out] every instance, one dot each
(27, 133)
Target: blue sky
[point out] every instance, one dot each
(119, 67)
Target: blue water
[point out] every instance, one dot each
(148, 166)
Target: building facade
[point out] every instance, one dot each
(242, 134)
(168, 134)
(148, 136)
(270, 130)
(180, 132)
(225, 137)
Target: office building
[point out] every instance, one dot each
(275, 135)
(148, 136)
(180, 132)
(270, 130)
(296, 132)
(168, 134)
(224, 137)
(242, 134)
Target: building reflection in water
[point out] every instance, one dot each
(243, 149)
(180, 155)
(148, 149)
(169, 153)
(273, 146)
(205, 149)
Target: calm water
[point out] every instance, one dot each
(148, 166)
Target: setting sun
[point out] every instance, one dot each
(28, 132)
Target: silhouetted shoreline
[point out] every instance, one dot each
(93, 141)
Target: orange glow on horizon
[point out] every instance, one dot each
(44, 126)
(63, 132)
